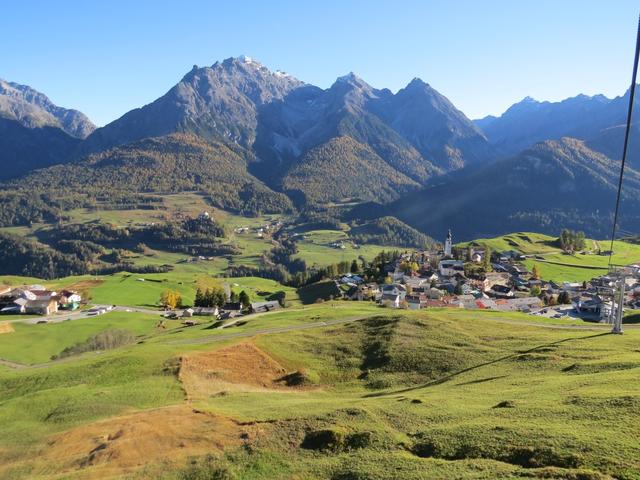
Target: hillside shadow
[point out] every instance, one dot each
(455, 374)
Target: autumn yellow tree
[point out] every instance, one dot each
(535, 273)
(170, 299)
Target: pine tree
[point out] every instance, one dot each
(198, 300)
(244, 299)
(207, 300)
(486, 260)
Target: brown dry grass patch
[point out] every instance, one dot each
(6, 327)
(241, 367)
(83, 287)
(122, 445)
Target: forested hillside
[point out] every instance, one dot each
(345, 170)
(170, 164)
(552, 185)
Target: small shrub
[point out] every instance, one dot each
(360, 440)
(209, 468)
(324, 440)
(299, 378)
(107, 340)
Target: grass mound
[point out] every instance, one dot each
(324, 440)
(599, 367)
(299, 378)
(336, 440)
(524, 456)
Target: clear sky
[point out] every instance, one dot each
(107, 57)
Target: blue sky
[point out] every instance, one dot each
(105, 58)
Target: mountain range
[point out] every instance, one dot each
(584, 117)
(256, 140)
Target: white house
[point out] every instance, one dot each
(448, 268)
(390, 300)
(394, 289)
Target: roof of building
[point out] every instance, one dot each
(269, 304)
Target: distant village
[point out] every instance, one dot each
(430, 279)
(438, 278)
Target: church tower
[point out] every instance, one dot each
(448, 244)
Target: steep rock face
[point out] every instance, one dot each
(217, 102)
(33, 109)
(311, 117)
(432, 124)
(554, 184)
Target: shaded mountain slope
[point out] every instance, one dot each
(23, 149)
(553, 185)
(432, 124)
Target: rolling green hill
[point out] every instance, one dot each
(555, 264)
(412, 395)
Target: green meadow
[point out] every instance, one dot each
(556, 265)
(386, 394)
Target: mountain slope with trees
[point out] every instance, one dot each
(170, 164)
(554, 184)
(344, 170)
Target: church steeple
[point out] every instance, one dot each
(448, 244)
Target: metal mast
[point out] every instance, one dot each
(620, 274)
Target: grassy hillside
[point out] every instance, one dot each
(413, 395)
(555, 264)
(246, 247)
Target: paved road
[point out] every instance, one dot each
(63, 316)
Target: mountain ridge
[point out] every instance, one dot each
(33, 109)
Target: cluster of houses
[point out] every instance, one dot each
(594, 301)
(428, 289)
(37, 300)
(440, 281)
(263, 231)
(229, 310)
